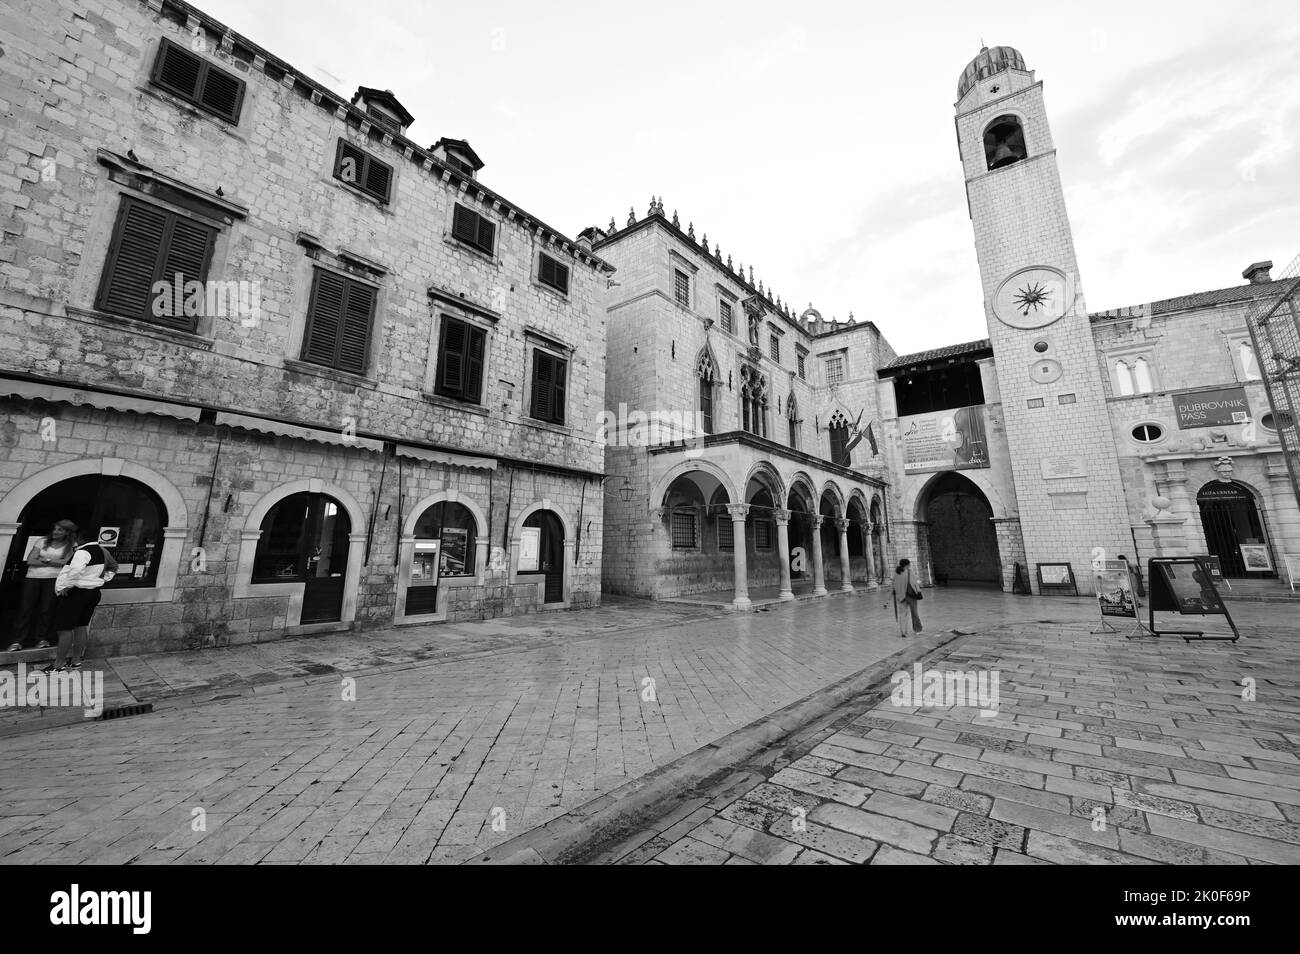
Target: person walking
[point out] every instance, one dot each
(48, 555)
(78, 587)
(906, 595)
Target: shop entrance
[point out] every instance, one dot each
(550, 553)
(1231, 520)
(305, 539)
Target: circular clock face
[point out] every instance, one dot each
(1033, 298)
(1045, 371)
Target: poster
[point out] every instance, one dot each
(944, 440)
(1054, 574)
(1115, 590)
(530, 545)
(1256, 558)
(108, 537)
(455, 551)
(1191, 587)
(1210, 408)
(1213, 565)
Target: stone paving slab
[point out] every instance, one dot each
(1148, 788)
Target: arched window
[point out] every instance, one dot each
(1249, 366)
(1123, 377)
(304, 537)
(455, 527)
(707, 370)
(123, 514)
(1004, 142)
(1142, 376)
(792, 416)
(839, 435)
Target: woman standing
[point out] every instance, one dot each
(906, 594)
(78, 588)
(47, 557)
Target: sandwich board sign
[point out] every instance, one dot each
(1185, 585)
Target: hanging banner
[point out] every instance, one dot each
(944, 440)
(1115, 590)
(1209, 408)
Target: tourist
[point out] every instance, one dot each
(78, 588)
(35, 623)
(906, 592)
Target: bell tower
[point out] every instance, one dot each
(1064, 464)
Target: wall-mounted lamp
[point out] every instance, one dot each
(624, 492)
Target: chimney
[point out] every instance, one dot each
(1257, 274)
(589, 236)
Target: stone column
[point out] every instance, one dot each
(782, 518)
(1285, 513)
(1173, 486)
(868, 549)
(1167, 535)
(846, 571)
(819, 572)
(739, 556)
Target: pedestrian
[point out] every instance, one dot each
(78, 587)
(906, 592)
(48, 555)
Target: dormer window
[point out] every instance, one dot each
(382, 105)
(459, 155)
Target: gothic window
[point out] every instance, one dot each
(707, 371)
(1142, 376)
(792, 416)
(839, 436)
(753, 401)
(1123, 377)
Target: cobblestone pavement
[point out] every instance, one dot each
(1102, 752)
(413, 769)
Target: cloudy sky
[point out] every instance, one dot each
(815, 141)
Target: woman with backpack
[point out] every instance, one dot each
(48, 555)
(906, 595)
(78, 587)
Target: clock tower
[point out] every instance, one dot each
(1063, 459)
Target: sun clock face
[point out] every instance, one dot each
(1033, 298)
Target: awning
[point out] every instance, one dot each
(319, 435)
(450, 460)
(97, 399)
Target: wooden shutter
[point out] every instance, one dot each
(359, 309)
(178, 70)
(559, 367)
(222, 93)
(198, 81)
(379, 177)
(451, 358)
(553, 273)
(542, 377)
(186, 253)
(477, 339)
(320, 344)
(464, 225)
(486, 234)
(355, 174)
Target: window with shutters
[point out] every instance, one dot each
(339, 317)
(553, 273)
(154, 254)
(725, 317)
(473, 229)
(358, 168)
(461, 350)
(185, 74)
(549, 382)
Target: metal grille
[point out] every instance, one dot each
(726, 532)
(682, 286)
(762, 535)
(1274, 323)
(724, 311)
(683, 530)
(834, 370)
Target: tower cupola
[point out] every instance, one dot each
(987, 63)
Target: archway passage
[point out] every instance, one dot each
(305, 539)
(123, 514)
(963, 543)
(550, 553)
(1231, 520)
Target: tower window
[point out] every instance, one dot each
(1004, 142)
(1148, 433)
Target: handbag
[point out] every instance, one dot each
(912, 592)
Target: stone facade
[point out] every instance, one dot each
(223, 419)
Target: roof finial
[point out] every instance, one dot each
(676, 224)
(631, 215)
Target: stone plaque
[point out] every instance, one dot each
(1064, 465)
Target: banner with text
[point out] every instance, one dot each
(944, 440)
(1211, 408)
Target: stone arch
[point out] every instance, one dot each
(685, 467)
(766, 474)
(913, 501)
(567, 525)
(955, 532)
(546, 504)
(1216, 542)
(407, 544)
(450, 495)
(244, 587)
(801, 484)
(836, 495)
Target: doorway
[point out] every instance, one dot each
(305, 539)
(1231, 520)
(963, 543)
(550, 554)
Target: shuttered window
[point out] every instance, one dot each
(549, 374)
(461, 348)
(473, 229)
(338, 322)
(151, 244)
(195, 80)
(550, 272)
(358, 168)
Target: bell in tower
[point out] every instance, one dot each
(1004, 142)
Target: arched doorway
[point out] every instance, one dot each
(125, 515)
(549, 536)
(305, 540)
(445, 548)
(1231, 520)
(963, 543)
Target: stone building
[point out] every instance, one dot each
(302, 373)
(741, 450)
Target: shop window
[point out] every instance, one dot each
(152, 245)
(123, 514)
(304, 537)
(454, 526)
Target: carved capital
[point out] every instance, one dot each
(782, 517)
(843, 524)
(738, 511)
